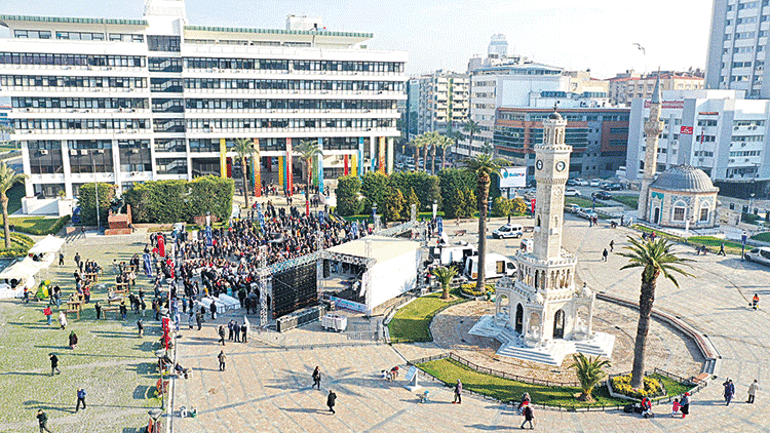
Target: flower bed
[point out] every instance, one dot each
(622, 385)
(468, 290)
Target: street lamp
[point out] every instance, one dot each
(435, 208)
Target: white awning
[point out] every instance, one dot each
(18, 271)
(49, 244)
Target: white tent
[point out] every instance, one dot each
(49, 244)
(19, 271)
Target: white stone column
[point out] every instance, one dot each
(65, 160)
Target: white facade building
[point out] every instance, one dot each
(716, 131)
(444, 102)
(125, 100)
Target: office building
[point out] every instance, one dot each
(738, 43)
(625, 87)
(124, 101)
(444, 102)
(597, 135)
(716, 131)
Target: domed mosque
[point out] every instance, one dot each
(680, 194)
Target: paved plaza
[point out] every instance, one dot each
(266, 388)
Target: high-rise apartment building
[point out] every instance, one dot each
(124, 101)
(738, 45)
(630, 85)
(443, 105)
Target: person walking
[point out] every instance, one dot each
(529, 416)
(48, 312)
(244, 331)
(61, 258)
(199, 320)
(54, 363)
(237, 332)
(755, 301)
(753, 388)
(458, 393)
(140, 328)
(42, 421)
(685, 402)
(605, 253)
(81, 399)
(331, 400)
(222, 334)
(612, 245)
(316, 378)
(722, 250)
(729, 391)
(222, 359)
(73, 340)
(62, 320)
(230, 328)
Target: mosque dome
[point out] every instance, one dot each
(685, 178)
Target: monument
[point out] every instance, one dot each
(546, 316)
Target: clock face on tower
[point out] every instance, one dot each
(539, 164)
(560, 166)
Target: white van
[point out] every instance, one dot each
(448, 255)
(509, 231)
(496, 266)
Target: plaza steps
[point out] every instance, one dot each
(541, 355)
(600, 345)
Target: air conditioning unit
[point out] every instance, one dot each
(100, 151)
(134, 151)
(83, 152)
(73, 152)
(44, 151)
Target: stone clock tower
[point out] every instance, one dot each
(551, 173)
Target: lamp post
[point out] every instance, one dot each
(435, 208)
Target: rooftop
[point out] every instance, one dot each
(684, 178)
(383, 248)
(71, 20)
(279, 31)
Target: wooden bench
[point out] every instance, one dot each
(94, 276)
(116, 309)
(76, 312)
(75, 305)
(120, 292)
(124, 285)
(116, 300)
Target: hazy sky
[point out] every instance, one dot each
(577, 34)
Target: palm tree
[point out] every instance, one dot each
(656, 258)
(244, 147)
(445, 276)
(8, 178)
(417, 142)
(589, 373)
(308, 149)
(430, 141)
(446, 142)
(471, 127)
(482, 166)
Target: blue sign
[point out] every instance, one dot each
(440, 225)
(209, 240)
(261, 217)
(320, 216)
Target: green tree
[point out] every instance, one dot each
(444, 275)
(412, 199)
(467, 205)
(87, 202)
(589, 372)
(425, 186)
(655, 258)
(244, 148)
(393, 205)
(445, 143)
(8, 178)
(417, 143)
(502, 207)
(471, 128)
(375, 187)
(309, 150)
(348, 188)
(452, 182)
(483, 167)
(519, 206)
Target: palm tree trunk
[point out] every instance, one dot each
(416, 158)
(425, 158)
(470, 143)
(445, 291)
(6, 225)
(483, 188)
(443, 158)
(309, 178)
(646, 299)
(433, 164)
(245, 182)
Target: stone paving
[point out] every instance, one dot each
(267, 389)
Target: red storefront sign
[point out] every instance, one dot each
(687, 130)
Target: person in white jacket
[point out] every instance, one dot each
(753, 388)
(62, 320)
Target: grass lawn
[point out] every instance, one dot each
(36, 225)
(631, 201)
(712, 244)
(672, 387)
(762, 237)
(412, 323)
(448, 371)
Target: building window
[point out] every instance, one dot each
(164, 43)
(704, 214)
(679, 212)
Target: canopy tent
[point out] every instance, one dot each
(19, 271)
(49, 244)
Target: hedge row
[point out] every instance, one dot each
(20, 244)
(170, 201)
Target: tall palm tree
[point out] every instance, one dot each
(445, 143)
(445, 276)
(309, 149)
(417, 143)
(471, 127)
(244, 148)
(8, 178)
(589, 372)
(656, 258)
(430, 141)
(482, 166)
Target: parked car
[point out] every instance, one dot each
(509, 231)
(594, 182)
(572, 208)
(581, 182)
(759, 255)
(572, 182)
(601, 195)
(572, 192)
(586, 213)
(613, 187)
